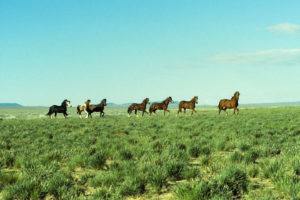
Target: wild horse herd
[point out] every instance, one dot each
(89, 108)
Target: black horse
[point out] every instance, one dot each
(59, 109)
(138, 106)
(96, 108)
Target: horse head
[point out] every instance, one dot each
(146, 101)
(103, 102)
(237, 95)
(195, 99)
(87, 102)
(170, 99)
(66, 103)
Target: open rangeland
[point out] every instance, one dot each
(255, 155)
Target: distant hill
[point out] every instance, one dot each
(10, 105)
(296, 103)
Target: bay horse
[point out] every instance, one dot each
(188, 105)
(230, 104)
(138, 106)
(161, 106)
(59, 109)
(82, 107)
(96, 108)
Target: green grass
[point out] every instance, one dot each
(255, 155)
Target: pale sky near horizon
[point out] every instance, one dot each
(126, 50)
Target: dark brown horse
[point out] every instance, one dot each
(188, 105)
(161, 106)
(138, 106)
(230, 104)
(96, 108)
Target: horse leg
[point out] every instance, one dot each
(164, 112)
(184, 111)
(226, 112)
(192, 112)
(179, 110)
(237, 113)
(55, 115)
(234, 109)
(135, 112)
(168, 112)
(87, 114)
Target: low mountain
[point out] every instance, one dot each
(10, 105)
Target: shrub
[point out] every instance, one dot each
(157, 177)
(125, 154)
(243, 146)
(133, 186)
(194, 191)
(253, 172)
(102, 193)
(7, 178)
(175, 169)
(190, 173)
(97, 160)
(105, 179)
(233, 181)
(251, 156)
(194, 151)
(236, 157)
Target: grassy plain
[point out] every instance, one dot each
(255, 155)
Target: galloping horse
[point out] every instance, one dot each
(135, 106)
(96, 108)
(229, 104)
(161, 106)
(83, 107)
(59, 109)
(188, 105)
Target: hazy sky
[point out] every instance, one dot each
(125, 50)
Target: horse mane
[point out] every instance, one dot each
(165, 101)
(102, 102)
(64, 102)
(194, 98)
(145, 100)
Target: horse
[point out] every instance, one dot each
(229, 104)
(188, 105)
(83, 107)
(96, 108)
(135, 106)
(59, 109)
(161, 106)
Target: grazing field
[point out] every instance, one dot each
(255, 155)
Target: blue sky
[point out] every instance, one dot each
(125, 50)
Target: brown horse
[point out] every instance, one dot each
(135, 106)
(96, 108)
(161, 106)
(188, 105)
(229, 104)
(83, 107)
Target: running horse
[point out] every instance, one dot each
(230, 104)
(59, 109)
(82, 107)
(96, 108)
(138, 106)
(161, 106)
(188, 105)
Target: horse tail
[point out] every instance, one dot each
(78, 109)
(129, 110)
(49, 112)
